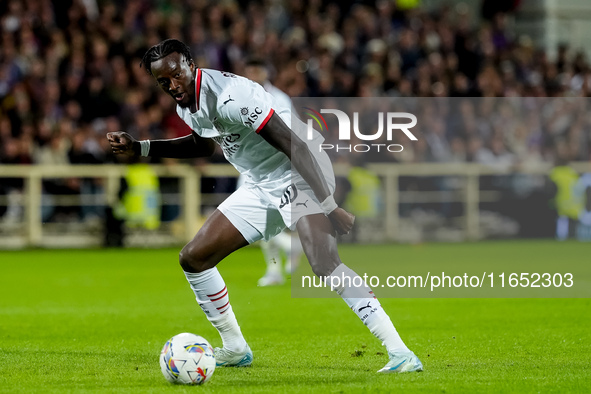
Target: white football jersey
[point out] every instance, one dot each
(280, 97)
(232, 110)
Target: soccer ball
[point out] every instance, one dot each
(187, 359)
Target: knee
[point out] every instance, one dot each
(192, 259)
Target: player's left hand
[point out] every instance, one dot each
(341, 220)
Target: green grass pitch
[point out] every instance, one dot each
(95, 321)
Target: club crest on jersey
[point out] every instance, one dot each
(290, 194)
(244, 111)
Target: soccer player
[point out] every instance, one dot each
(283, 243)
(254, 135)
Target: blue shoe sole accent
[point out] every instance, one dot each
(415, 366)
(394, 368)
(246, 361)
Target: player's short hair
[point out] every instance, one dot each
(164, 49)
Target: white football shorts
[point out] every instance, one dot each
(263, 210)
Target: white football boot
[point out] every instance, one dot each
(272, 278)
(405, 362)
(227, 358)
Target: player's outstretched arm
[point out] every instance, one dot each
(278, 134)
(187, 147)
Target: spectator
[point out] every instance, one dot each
(64, 65)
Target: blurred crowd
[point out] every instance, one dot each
(69, 69)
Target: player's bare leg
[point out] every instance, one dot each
(215, 240)
(320, 246)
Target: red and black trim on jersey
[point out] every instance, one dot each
(271, 112)
(198, 88)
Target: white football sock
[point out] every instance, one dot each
(289, 245)
(212, 296)
(562, 228)
(273, 259)
(367, 307)
(283, 241)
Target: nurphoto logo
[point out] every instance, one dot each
(392, 120)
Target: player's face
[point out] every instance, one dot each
(176, 76)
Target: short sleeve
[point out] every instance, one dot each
(246, 105)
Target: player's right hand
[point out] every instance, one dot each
(122, 143)
(341, 220)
